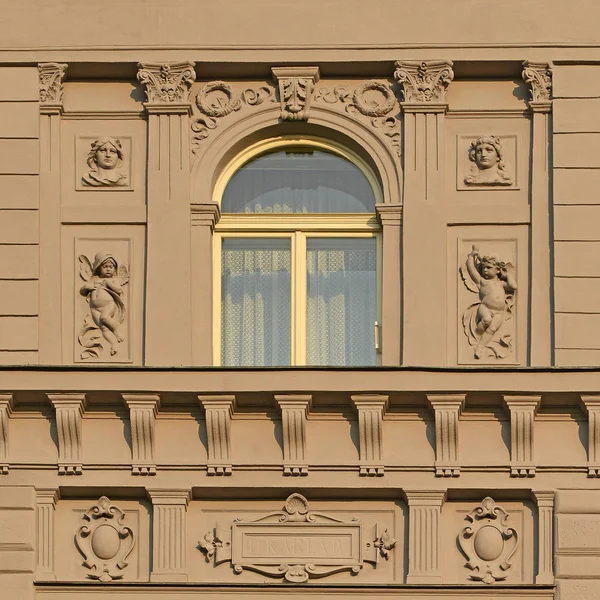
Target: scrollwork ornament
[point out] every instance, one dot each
(488, 542)
(424, 82)
(104, 541)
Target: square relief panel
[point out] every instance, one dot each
(102, 540)
(102, 304)
(488, 542)
(489, 271)
(486, 161)
(103, 163)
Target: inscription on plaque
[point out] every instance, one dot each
(315, 546)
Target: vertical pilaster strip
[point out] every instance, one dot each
(522, 416)
(294, 411)
(390, 217)
(423, 87)
(371, 408)
(69, 412)
(169, 508)
(6, 404)
(51, 76)
(447, 409)
(591, 403)
(545, 504)
(204, 218)
(46, 499)
(168, 331)
(424, 541)
(219, 410)
(142, 417)
(538, 77)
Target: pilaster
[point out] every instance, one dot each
(538, 76)
(424, 541)
(390, 338)
(168, 331)
(447, 409)
(51, 76)
(294, 411)
(142, 417)
(204, 218)
(371, 408)
(69, 412)
(169, 508)
(591, 403)
(423, 87)
(6, 404)
(46, 499)
(522, 416)
(296, 86)
(545, 504)
(219, 410)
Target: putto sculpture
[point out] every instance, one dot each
(484, 322)
(106, 161)
(488, 166)
(103, 289)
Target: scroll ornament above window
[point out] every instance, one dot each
(297, 544)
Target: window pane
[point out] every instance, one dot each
(255, 302)
(341, 302)
(299, 182)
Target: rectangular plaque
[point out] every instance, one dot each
(302, 543)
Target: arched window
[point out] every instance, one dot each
(297, 253)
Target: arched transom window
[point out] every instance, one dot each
(297, 254)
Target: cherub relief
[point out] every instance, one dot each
(106, 161)
(484, 322)
(103, 289)
(488, 166)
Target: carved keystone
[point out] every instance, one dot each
(6, 404)
(591, 403)
(142, 417)
(296, 86)
(522, 415)
(219, 410)
(69, 411)
(424, 83)
(371, 408)
(447, 409)
(294, 411)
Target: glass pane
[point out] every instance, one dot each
(255, 302)
(299, 182)
(341, 301)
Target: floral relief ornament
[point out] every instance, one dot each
(103, 290)
(485, 322)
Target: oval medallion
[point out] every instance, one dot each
(488, 543)
(105, 542)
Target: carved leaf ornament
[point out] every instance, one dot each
(488, 543)
(296, 544)
(104, 541)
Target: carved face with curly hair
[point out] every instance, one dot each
(105, 159)
(489, 167)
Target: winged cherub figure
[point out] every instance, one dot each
(103, 289)
(484, 322)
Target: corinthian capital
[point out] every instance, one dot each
(424, 82)
(167, 83)
(51, 83)
(538, 76)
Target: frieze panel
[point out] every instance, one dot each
(297, 544)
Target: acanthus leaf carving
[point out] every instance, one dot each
(51, 76)
(296, 87)
(488, 542)
(424, 82)
(538, 76)
(289, 544)
(105, 541)
(372, 99)
(167, 83)
(218, 99)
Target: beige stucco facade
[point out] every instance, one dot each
(464, 463)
